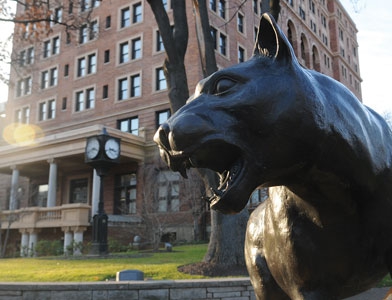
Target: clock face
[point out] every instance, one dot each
(92, 148)
(112, 148)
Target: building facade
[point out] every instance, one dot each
(108, 74)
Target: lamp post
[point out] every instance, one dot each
(102, 152)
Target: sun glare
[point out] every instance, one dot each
(22, 134)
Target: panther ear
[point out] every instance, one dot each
(271, 41)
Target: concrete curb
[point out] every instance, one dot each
(372, 294)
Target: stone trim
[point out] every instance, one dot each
(215, 289)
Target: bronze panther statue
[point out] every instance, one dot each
(326, 230)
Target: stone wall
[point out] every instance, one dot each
(219, 289)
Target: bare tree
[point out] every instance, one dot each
(34, 20)
(224, 247)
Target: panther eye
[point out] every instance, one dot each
(223, 85)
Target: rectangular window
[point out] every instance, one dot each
(24, 87)
(58, 15)
(26, 115)
(20, 88)
(168, 191)
(83, 34)
(66, 70)
(30, 55)
(85, 99)
(105, 91)
(106, 58)
(78, 191)
(130, 125)
(108, 22)
(240, 22)
(93, 32)
(162, 116)
(88, 32)
(86, 65)
(22, 58)
(90, 98)
(22, 115)
(255, 7)
(129, 87)
(51, 109)
(53, 77)
(122, 89)
(64, 104)
(79, 101)
(160, 80)
(241, 54)
(213, 5)
(125, 17)
(302, 13)
(18, 116)
(92, 63)
(44, 79)
(136, 48)
(81, 69)
(214, 34)
(42, 111)
(55, 45)
(46, 50)
(124, 53)
(222, 9)
(159, 42)
(135, 86)
(222, 44)
(28, 85)
(125, 194)
(137, 16)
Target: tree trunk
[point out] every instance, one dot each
(227, 238)
(175, 41)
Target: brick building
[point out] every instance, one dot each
(70, 86)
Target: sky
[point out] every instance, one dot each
(374, 24)
(373, 19)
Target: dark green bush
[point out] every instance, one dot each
(48, 248)
(115, 246)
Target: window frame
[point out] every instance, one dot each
(160, 80)
(83, 101)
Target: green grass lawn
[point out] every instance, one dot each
(162, 265)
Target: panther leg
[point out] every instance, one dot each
(264, 284)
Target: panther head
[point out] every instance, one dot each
(237, 123)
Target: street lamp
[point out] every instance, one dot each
(102, 152)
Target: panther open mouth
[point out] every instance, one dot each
(226, 160)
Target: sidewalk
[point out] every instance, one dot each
(372, 294)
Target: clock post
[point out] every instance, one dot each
(102, 152)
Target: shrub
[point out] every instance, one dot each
(48, 248)
(115, 246)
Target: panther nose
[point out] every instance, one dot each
(182, 132)
(161, 137)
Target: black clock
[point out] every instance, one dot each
(102, 150)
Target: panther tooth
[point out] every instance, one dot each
(216, 192)
(183, 173)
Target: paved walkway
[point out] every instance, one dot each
(372, 294)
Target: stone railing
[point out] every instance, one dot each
(227, 289)
(46, 217)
